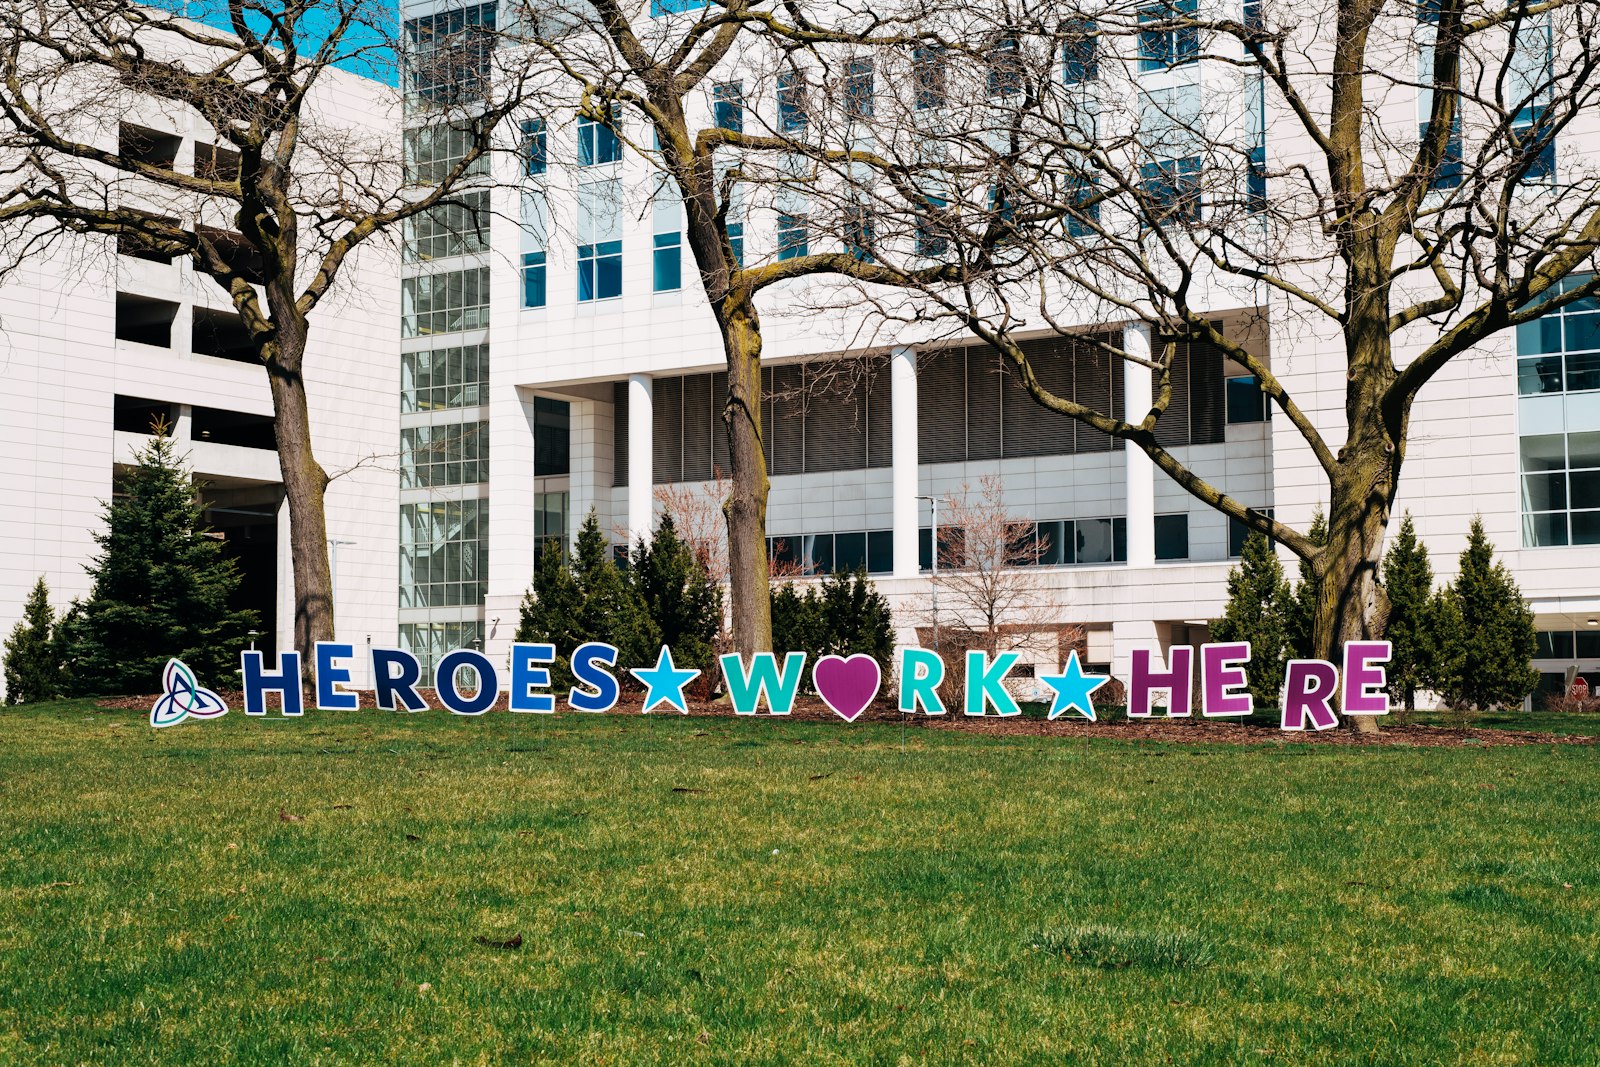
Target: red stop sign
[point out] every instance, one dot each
(1580, 688)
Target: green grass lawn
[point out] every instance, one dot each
(737, 891)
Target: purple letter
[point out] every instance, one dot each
(1308, 688)
(1177, 683)
(1364, 679)
(1221, 676)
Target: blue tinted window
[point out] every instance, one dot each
(533, 280)
(597, 143)
(1170, 37)
(728, 106)
(1080, 60)
(1172, 187)
(600, 271)
(791, 103)
(791, 237)
(535, 157)
(667, 262)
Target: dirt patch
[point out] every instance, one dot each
(1181, 731)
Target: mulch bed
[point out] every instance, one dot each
(1196, 730)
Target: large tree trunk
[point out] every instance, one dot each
(746, 506)
(305, 486)
(1350, 603)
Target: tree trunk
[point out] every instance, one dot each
(746, 507)
(305, 486)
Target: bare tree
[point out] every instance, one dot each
(990, 593)
(1395, 180)
(725, 147)
(277, 209)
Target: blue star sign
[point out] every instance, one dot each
(1073, 688)
(666, 682)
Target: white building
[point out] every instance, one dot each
(97, 341)
(591, 363)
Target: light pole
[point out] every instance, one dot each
(333, 579)
(933, 556)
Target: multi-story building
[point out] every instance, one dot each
(102, 339)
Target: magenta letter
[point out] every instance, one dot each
(1364, 679)
(1178, 682)
(1308, 688)
(1221, 675)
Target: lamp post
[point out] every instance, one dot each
(933, 556)
(333, 579)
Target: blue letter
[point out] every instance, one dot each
(444, 682)
(386, 686)
(989, 690)
(746, 691)
(921, 673)
(258, 683)
(525, 675)
(329, 676)
(586, 669)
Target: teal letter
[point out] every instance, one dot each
(921, 672)
(747, 690)
(988, 689)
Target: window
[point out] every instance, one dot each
(550, 513)
(432, 152)
(439, 378)
(1005, 67)
(1084, 218)
(1428, 11)
(1252, 16)
(1536, 143)
(1560, 350)
(1245, 400)
(792, 237)
(552, 437)
(858, 230)
(1256, 180)
(667, 262)
(858, 89)
(447, 54)
(674, 7)
(928, 75)
(736, 242)
(598, 143)
(1238, 533)
(429, 641)
(1567, 644)
(535, 151)
(1170, 37)
(932, 230)
(444, 303)
(1080, 59)
(450, 454)
(1172, 536)
(600, 240)
(443, 553)
(1172, 188)
(457, 227)
(828, 553)
(600, 271)
(1561, 489)
(792, 113)
(535, 280)
(1447, 175)
(727, 106)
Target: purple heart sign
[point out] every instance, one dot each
(847, 685)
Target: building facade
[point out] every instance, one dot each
(102, 340)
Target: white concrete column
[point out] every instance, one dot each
(641, 457)
(1127, 636)
(183, 428)
(903, 434)
(1136, 400)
